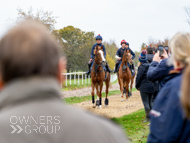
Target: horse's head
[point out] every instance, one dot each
(127, 56)
(99, 54)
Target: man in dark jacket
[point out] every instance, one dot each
(168, 123)
(92, 57)
(31, 107)
(145, 87)
(150, 55)
(119, 56)
(159, 70)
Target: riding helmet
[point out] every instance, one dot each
(99, 37)
(123, 42)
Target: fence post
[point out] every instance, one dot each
(74, 78)
(82, 78)
(78, 79)
(85, 78)
(70, 79)
(66, 79)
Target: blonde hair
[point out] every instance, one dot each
(180, 47)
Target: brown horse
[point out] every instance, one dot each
(125, 76)
(98, 77)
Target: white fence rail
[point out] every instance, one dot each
(81, 76)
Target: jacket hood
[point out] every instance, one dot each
(149, 57)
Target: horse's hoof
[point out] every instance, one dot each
(97, 102)
(122, 100)
(93, 105)
(106, 101)
(100, 107)
(105, 105)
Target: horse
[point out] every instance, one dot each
(98, 77)
(125, 76)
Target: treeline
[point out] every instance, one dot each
(77, 44)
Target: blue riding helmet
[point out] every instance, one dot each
(99, 37)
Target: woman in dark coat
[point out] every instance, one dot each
(170, 116)
(145, 87)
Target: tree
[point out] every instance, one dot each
(76, 45)
(187, 10)
(44, 17)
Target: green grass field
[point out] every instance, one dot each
(76, 86)
(133, 126)
(73, 100)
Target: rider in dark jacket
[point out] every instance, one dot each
(119, 55)
(145, 87)
(92, 57)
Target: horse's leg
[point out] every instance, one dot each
(100, 95)
(127, 90)
(107, 87)
(92, 93)
(121, 89)
(97, 93)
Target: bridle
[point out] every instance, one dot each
(98, 64)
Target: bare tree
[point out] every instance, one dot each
(187, 10)
(44, 17)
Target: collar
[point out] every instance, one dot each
(176, 71)
(23, 89)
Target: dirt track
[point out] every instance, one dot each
(116, 108)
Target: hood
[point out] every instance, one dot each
(149, 57)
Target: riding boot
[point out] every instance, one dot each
(115, 70)
(132, 69)
(89, 66)
(107, 67)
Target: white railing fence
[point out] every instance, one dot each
(81, 78)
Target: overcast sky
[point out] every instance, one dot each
(133, 20)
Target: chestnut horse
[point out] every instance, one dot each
(98, 77)
(125, 76)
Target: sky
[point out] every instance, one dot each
(136, 21)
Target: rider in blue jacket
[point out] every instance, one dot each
(92, 57)
(119, 55)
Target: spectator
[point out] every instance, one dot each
(169, 122)
(159, 70)
(30, 103)
(150, 55)
(146, 87)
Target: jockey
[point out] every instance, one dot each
(119, 55)
(92, 57)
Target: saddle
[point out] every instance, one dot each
(103, 69)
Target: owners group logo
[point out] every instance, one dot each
(38, 124)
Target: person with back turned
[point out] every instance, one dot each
(31, 108)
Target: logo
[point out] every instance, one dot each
(38, 124)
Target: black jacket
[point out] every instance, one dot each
(142, 83)
(156, 83)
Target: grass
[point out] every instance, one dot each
(76, 86)
(133, 126)
(75, 99)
